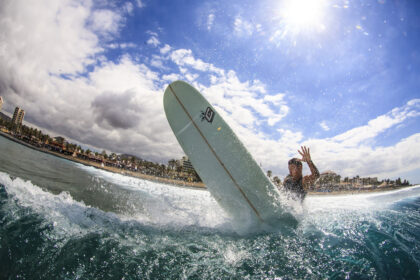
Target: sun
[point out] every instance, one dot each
(303, 15)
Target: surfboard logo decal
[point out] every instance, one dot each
(208, 115)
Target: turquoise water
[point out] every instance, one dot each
(62, 220)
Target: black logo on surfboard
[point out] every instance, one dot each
(208, 115)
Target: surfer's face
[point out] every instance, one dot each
(295, 170)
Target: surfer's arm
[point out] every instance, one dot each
(306, 157)
(310, 179)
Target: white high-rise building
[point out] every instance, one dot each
(18, 116)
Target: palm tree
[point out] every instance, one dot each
(269, 173)
(172, 164)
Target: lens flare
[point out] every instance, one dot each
(301, 15)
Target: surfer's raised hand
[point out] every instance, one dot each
(306, 156)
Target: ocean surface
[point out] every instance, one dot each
(64, 220)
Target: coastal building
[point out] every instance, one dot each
(328, 178)
(18, 116)
(370, 181)
(186, 165)
(1, 102)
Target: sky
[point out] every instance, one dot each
(341, 77)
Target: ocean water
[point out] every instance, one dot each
(63, 220)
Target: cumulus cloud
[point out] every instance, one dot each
(246, 101)
(105, 22)
(114, 110)
(117, 106)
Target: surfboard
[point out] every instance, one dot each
(221, 160)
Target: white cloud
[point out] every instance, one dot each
(165, 49)
(128, 45)
(276, 99)
(246, 102)
(32, 35)
(210, 21)
(378, 125)
(129, 7)
(113, 46)
(183, 57)
(154, 41)
(55, 38)
(105, 22)
(158, 62)
(140, 4)
(324, 125)
(121, 46)
(171, 77)
(242, 27)
(355, 152)
(258, 28)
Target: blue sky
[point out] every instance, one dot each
(362, 65)
(342, 77)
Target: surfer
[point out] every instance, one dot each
(294, 182)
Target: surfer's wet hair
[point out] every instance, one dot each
(295, 161)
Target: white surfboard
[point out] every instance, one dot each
(228, 170)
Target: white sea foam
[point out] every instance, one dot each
(62, 211)
(165, 205)
(188, 198)
(367, 201)
(170, 206)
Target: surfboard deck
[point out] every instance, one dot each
(228, 170)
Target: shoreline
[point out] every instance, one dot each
(359, 191)
(108, 168)
(179, 183)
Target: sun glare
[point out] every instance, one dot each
(299, 15)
